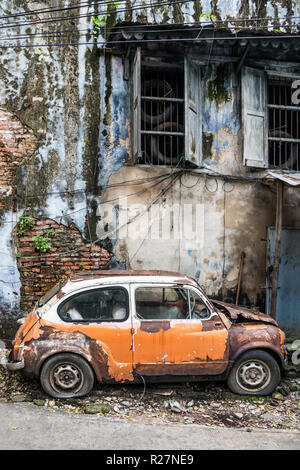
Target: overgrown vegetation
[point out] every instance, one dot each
(43, 242)
(25, 223)
(103, 24)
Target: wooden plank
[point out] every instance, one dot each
(254, 117)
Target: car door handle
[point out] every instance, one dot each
(218, 323)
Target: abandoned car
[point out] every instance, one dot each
(115, 326)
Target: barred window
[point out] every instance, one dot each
(166, 104)
(162, 116)
(271, 120)
(284, 122)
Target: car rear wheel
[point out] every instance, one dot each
(66, 376)
(254, 373)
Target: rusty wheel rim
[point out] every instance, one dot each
(66, 378)
(253, 375)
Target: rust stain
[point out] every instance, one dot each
(236, 312)
(88, 340)
(181, 345)
(155, 326)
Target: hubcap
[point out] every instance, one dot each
(66, 377)
(253, 375)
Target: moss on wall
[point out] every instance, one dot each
(215, 88)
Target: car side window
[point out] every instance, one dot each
(198, 308)
(155, 303)
(106, 304)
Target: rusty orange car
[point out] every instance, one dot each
(116, 326)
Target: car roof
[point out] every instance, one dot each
(112, 276)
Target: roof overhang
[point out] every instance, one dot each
(288, 177)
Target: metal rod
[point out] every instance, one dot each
(284, 139)
(163, 133)
(275, 275)
(160, 98)
(279, 106)
(240, 277)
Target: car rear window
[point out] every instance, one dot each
(96, 305)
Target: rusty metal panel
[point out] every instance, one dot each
(288, 295)
(291, 179)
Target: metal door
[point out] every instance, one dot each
(288, 296)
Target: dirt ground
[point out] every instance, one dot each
(210, 404)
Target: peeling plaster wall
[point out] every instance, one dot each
(54, 93)
(76, 103)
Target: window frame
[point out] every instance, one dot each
(189, 288)
(263, 76)
(192, 111)
(88, 290)
(282, 80)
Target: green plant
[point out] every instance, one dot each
(101, 21)
(208, 16)
(49, 232)
(24, 223)
(43, 242)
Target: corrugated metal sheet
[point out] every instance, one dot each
(292, 179)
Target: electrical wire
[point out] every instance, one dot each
(141, 6)
(161, 193)
(53, 10)
(125, 407)
(139, 41)
(128, 29)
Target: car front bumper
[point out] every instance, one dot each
(9, 365)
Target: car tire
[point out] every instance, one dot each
(256, 372)
(66, 375)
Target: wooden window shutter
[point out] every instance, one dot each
(254, 117)
(136, 79)
(193, 115)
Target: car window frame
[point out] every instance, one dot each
(175, 286)
(96, 288)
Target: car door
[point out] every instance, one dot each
(175, 332)
(103, 315)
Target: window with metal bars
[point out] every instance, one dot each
(166, 111)
(162, 116)
(283, 123)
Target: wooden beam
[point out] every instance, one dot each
(240, 278)
(278, 229)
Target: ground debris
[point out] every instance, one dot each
(209, 404)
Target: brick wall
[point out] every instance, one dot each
(17, 143)
(69, 253)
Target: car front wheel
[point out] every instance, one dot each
(254, 373)
(66, 376)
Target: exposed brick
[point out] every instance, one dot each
(41, 271)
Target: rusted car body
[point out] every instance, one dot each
(116, 326)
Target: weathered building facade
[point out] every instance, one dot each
(146, 143)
